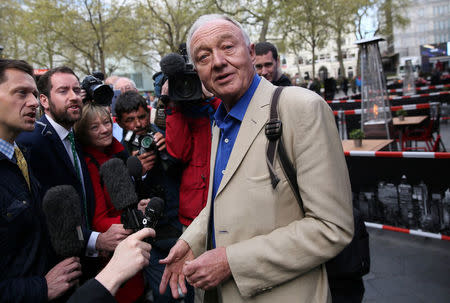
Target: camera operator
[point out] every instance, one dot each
(188, 139)
(133, 115)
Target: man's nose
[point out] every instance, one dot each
(218, 59)
(32, 101)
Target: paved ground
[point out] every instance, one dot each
(406, 268)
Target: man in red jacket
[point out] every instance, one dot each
(188, 139)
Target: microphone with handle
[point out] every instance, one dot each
(61, 206)
(134, 166)
(123, 196)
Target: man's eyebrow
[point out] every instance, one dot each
(27, 88)
(221, 38)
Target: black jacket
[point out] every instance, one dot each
(283, 81)
(24, 241)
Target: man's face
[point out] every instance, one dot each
(18, 104)
(124, 85)
(267, 66)
(65, 104)
(223, 60)
(137, 121)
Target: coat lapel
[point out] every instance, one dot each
(255, 118)
(59, 150)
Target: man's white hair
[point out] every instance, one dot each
(202, 20)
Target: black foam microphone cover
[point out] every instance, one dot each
(154, 210)
(134, 166)
(172, 64)
(61, 206)
(118, 183)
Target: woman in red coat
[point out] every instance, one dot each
(94, 131)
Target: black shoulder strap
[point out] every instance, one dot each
(273, 133)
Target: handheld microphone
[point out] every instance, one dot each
(134, 166)
(121, 190)
(61, 206)
(118, 183)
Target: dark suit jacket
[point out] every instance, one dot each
(52, 166)
(91, 291)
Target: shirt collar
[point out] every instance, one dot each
(239, 109)
(7, 148)
(61, 131)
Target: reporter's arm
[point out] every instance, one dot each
(130, 256)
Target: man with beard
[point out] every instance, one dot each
(56, 158)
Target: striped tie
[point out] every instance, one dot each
(22, 163)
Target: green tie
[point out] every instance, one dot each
(22, 163)
(78, 171)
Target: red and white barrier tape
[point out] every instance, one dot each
(392, 97)
(387, 154)
(419, 88)
(393, 108)
(418, 232)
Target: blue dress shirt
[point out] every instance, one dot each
(229, 124)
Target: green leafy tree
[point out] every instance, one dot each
(306, 23)
(167, 22)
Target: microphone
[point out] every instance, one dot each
(134, 166)
(121, 190)
(153, 211)
(172, 64)
(118, 184)
(61, 206)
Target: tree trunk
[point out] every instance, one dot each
(339, 53)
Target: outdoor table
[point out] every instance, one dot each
(408, 121)
(367, 144)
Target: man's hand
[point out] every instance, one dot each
(142, 205)
(130, 256)
(109, 240)
(208, 270)
(147, 159)
(62, 277)
(160, 141)
(173, 273)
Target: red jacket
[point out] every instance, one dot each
(188, 139)
(105, 214)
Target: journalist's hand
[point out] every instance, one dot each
(130, 256)
(208, 270)
(160, 141)
(173, 273)
(62, 277)
(109, 240)
(147, 159)
(142, 205)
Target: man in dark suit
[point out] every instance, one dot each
(25, 274)
(57, 159)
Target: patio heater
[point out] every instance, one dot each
(376, 117)
(409, 85)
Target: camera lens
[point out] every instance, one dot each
(146, 142)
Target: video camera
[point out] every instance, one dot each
(184, 83)
(100, 93)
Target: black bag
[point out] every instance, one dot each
(354, 261)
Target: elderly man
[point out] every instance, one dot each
(260, 245)
(267, 64)
(125, 84)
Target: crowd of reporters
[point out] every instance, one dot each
(93, 123)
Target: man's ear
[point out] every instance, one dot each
(252, 53)
(43, 100)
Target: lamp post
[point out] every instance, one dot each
(376, 117)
